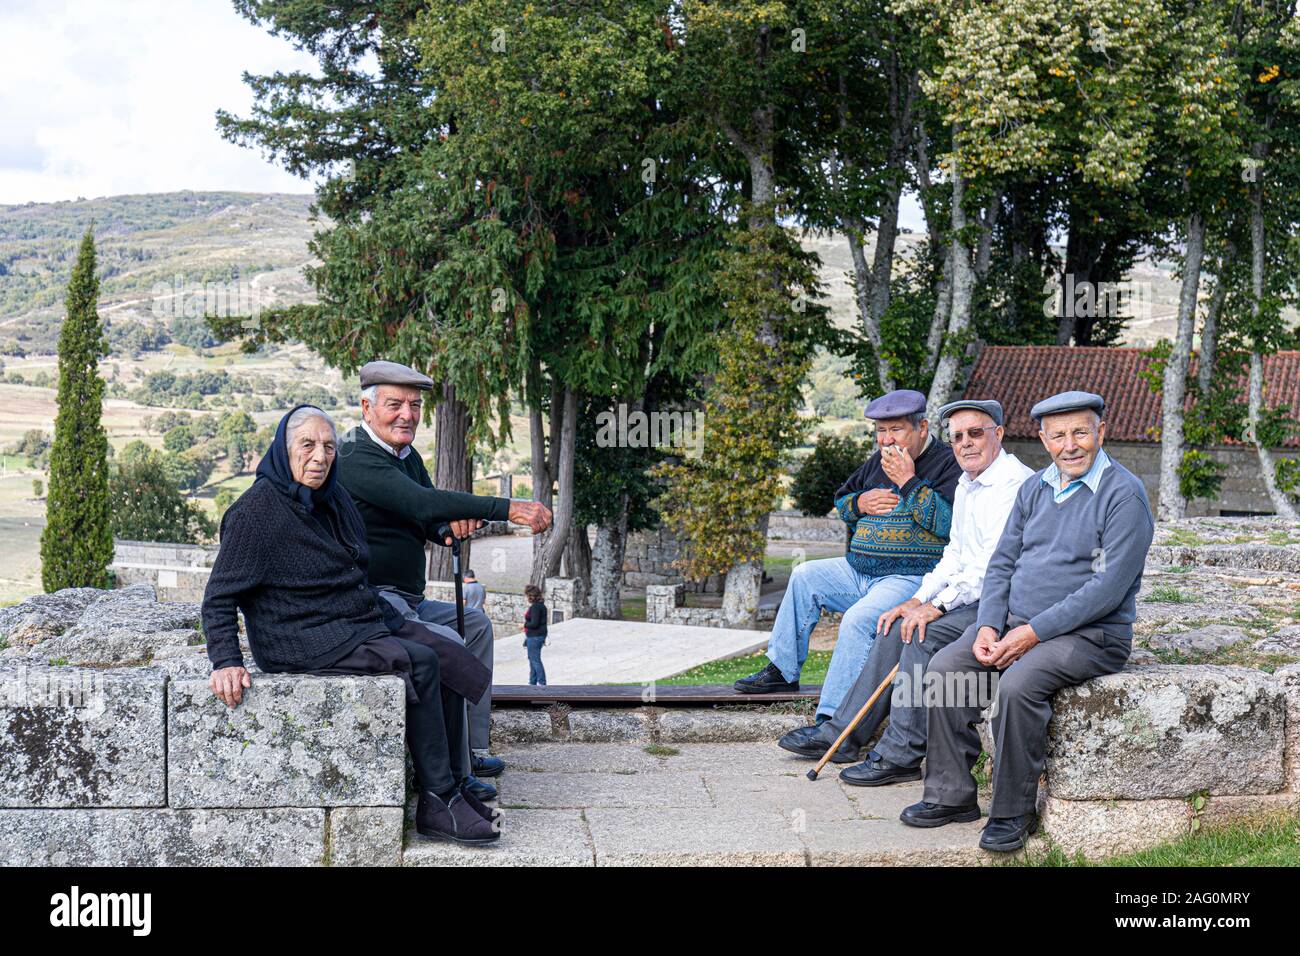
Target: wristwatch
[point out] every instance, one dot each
(942, 608)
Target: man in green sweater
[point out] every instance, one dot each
(386, 477)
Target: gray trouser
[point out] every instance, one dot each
(1023, 707)
(888, 650)
(441, 615)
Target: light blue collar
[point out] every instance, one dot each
(1092, 478)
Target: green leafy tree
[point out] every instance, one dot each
(147, 506)
(833, 459)
(77, 542)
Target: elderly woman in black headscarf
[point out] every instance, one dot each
(293, 558)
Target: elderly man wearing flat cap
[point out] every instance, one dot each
(386, 477)
(1057, 609)
(944, 605)
(899, 507)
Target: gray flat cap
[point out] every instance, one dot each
(896, 404)
(989, 407)
(392, 373)
(1067, 402)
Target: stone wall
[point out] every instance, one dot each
(137, 767)
(649, 559)
(178, 572)
(665, 604)
(506, 609)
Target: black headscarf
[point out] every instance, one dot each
(274, 467)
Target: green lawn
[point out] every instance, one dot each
(1273, 842)
(733, 668)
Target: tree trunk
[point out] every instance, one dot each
(864, 286)
(452, 470)
(546, 560)
(1174, 390)
(577, 566)
(607, 565)
(945, 373)
(942, 309)
(1210, 329)
(1255, 403)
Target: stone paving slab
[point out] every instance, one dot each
(588, 651)
(584, 758)
(579, 790)
(528, 838)
(700, 804)
(891, 843)
(794, 798)
(680, 837)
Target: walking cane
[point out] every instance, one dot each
(812, 774)
(444, 532)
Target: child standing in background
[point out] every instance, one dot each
(535, 634)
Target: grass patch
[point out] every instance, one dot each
(1273, 841)
(1281, 538)
(633, 609)
(1168, 594)
(1183, 538)
(733, 668)
(1239, 655)
(659, 750)
(1178, 569)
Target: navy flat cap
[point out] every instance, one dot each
(896, 404)
(1067, 402)
(393, 373)
(989, 407)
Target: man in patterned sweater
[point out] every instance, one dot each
(899, 507)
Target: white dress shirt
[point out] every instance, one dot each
(406, 449)
(980, 510)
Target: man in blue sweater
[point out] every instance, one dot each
(1057, 609)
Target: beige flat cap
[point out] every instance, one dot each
(392, 373)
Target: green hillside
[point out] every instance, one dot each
(144, 242)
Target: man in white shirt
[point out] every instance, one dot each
(945, 603)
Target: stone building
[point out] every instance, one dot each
(1020, 375)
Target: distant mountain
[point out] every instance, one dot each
(256, 243)
(246, 244)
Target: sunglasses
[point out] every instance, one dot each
(956, 438)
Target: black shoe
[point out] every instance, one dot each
(482, 809)
(936, 815)
(806, 742)
(486, 765)
(484, 791)
(876, 771)
(454, 820)
(767, 681)
(1004, 834)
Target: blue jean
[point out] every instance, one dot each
(832, 584)
(536, 672)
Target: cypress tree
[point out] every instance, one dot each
(77, 543)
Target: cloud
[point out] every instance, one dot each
(103, 99)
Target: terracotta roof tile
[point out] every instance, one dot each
(1020, 375)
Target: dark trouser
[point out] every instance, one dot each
(1023, 707)
(536, 672)
(478, 639)
(435, 727)
(903, 742)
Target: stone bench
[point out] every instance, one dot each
(133, 767)
(138, 766)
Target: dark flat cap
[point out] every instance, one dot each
(989, 407)
(1067, 402)
(896, 404)
(391, 373)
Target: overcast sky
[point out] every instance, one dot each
(102, 98)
